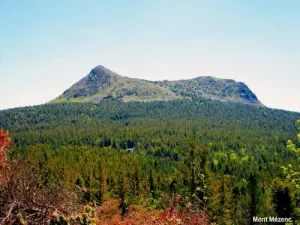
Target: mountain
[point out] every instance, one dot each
(112, 149)
(102, 83)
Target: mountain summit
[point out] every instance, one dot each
(102, 83)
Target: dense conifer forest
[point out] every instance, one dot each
(189, 161)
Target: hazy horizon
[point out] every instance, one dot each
(46, 46)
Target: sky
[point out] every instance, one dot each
(48, 45)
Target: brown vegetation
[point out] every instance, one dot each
(109, 214)
(21, 196)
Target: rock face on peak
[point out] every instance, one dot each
(98, 78)
(213, 88)
(102, 83)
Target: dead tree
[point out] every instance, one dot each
(23, 197)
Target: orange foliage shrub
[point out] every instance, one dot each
(109, 214)
(4, 141)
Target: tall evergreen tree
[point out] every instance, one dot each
(254, 192)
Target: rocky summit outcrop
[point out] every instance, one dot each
(208, 87)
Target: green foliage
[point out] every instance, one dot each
(86, 217)
(222, 158)
(123, 194)
(282, 200)
(59, 219)
(21, 220)
(254, 191)
(194, 171)
(292, 174)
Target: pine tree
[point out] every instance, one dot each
(194, 171)
(283, 202)
(102, 182)
(152, 186)
(123, 195)
(293, 176)
(254, 192)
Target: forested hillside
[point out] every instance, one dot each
(190, 161)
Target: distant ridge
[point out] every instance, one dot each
(102, 83)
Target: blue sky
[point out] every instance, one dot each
(47, 45)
